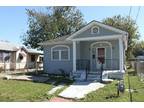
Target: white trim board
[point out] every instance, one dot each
(106, 37)
(55, 43)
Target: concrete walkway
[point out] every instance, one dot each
(78, 90)
(53, 90)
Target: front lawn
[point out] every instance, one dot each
(14, 90)
(11, 90)
(109, 92)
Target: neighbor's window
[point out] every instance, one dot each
(6, 56)
(33, 58)
(41, 59)
(60, 52)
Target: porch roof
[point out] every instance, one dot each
(32, 51)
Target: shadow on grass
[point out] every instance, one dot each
(112, 96)
(132, 73)
(43, 78)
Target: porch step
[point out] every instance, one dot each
(77, 75)
(93, 77)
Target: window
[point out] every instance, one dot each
(60, 52)
(94, 30)
(33, 58)
(64, 55)
(41, 59)
(4, 56)
(55, 55)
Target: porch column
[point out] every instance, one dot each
(74, 56)
(121, 55)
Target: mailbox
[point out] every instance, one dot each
(121, 87)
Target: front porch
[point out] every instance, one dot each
(89, 55)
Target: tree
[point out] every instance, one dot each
(54, 22)
(138, 48)
(127, 24)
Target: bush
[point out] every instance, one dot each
(62, 72)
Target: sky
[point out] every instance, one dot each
(13, 20)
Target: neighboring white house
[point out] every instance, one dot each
(13, 57)
(86, 50)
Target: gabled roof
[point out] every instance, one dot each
(32, 51)
(99, 24)
(7, 46)
(56, 40)
(68, 38)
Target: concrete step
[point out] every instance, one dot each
(98, 72)
(91, 79)
(90, 75)
(76, 75)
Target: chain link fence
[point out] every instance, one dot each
(138, 66)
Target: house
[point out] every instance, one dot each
(13, 57)
(87, 50)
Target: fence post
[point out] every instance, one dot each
(27, 66)
(36, 68)
(130, 93)
(101, 72)
(19, 66)
(4, 67)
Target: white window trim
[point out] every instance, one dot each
(93, 28)
(60, 59)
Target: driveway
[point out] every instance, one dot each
(78, 90)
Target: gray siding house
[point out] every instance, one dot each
(88, 49)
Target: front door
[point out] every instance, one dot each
(100, 58)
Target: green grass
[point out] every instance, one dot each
(14, 90)
(109, 92)
(11, 90)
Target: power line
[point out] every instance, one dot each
(137, 14)
(130, 11)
